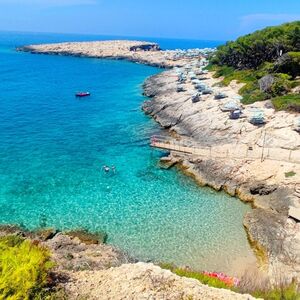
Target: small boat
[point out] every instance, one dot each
(82, 94)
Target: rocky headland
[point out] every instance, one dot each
(135, 51)
(258, 163)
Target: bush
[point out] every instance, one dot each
(251, 91)
(24, 268)
(281, 85)
(289, 63)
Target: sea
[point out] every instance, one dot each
(53, 147)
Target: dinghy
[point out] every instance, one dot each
(82, 94)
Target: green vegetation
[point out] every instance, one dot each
(289, 63)
(213, 282)
(267, 62)
(280, 293)
(267, 45)
(287, 102)
(250, 284)
(24, 269)
(290, 174)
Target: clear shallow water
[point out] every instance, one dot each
(53, 146)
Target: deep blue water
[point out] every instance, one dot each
(54, 145)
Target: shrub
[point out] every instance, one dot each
(24, 268)
(251, 91)
(281, 85)
(289, 63)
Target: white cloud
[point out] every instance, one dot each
(253, 19)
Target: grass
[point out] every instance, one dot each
(290, 102)
(251, 91)
(213, 282)
(251, 283)
(24, 269)
(289, 174)
(280, 293)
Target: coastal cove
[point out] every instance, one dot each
(54, 147)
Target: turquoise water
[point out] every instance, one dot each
(53, 147)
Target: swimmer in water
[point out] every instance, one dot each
(106, 169)
(113, 168)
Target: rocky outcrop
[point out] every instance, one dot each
(142, 281)
(266, 82)
(145, 47)
(261, 182)
(71, 252)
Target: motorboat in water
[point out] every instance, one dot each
(82, 94)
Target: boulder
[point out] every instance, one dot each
(262, 189)
(266, 82)
(88, 238)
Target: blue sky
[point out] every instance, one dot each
(194, 19)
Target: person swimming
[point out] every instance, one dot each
(106, 169)
(113, 168)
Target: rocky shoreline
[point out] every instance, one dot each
(262, 182)
(274, 236)
(86, 268)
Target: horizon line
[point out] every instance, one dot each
(109, 35)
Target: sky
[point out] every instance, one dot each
(183, 19)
